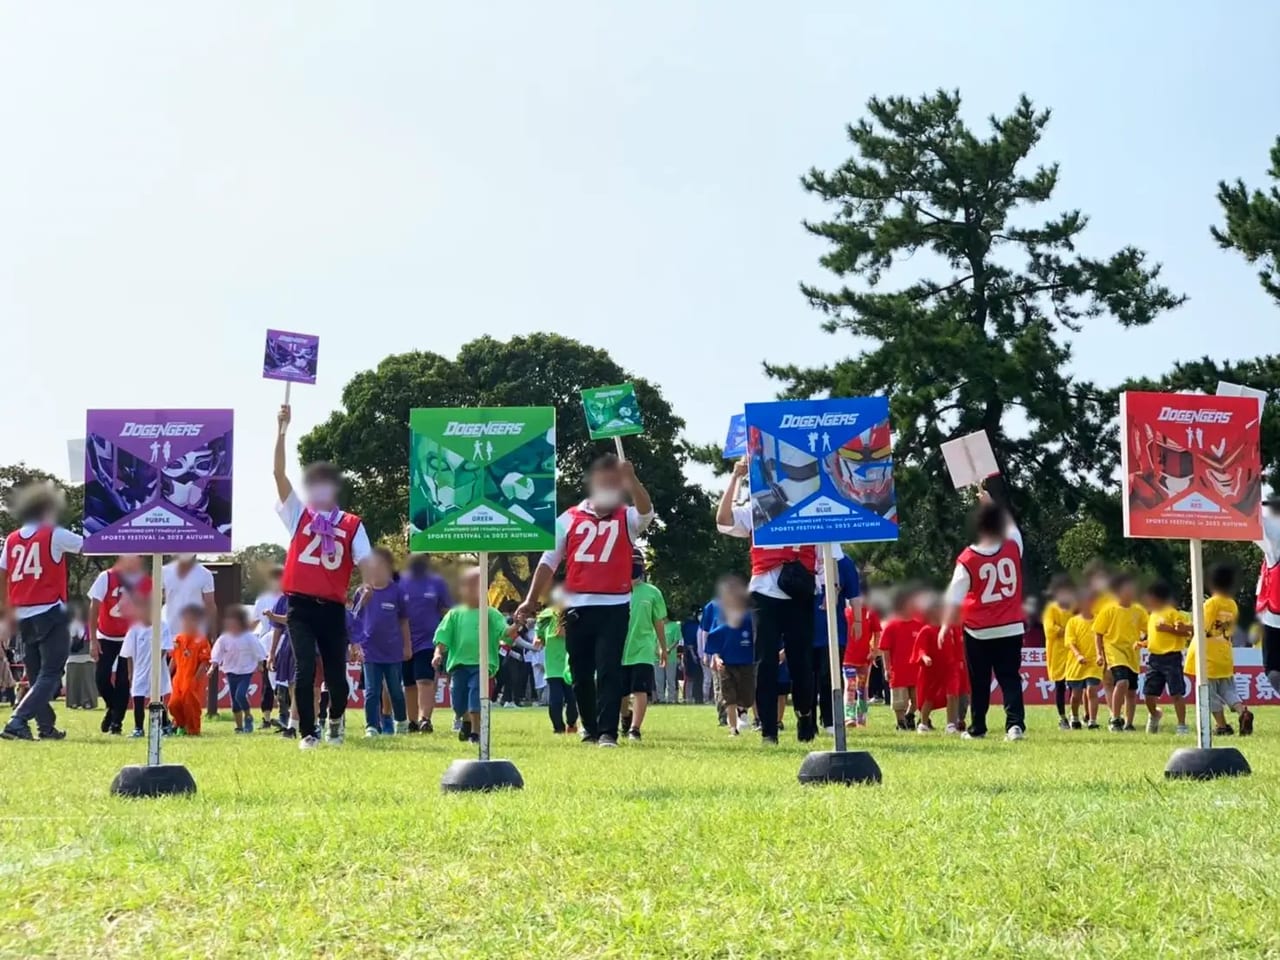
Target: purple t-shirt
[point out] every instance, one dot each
(426, 599)
(378, 623)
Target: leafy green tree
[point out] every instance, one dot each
(977, 334)
(1253, 224)
(255, 563)
(368, 438)
(80, 570)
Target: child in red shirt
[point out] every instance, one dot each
(897, 640)
(935, 654)
(859, 653)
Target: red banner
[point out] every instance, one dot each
(1192, 466)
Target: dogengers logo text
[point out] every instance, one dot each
(175, 429)
(1174, 415)
(498, 428)
(808, 422)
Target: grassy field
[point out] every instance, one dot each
(690, 845)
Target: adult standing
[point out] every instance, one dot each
(187, 583)
(33, 574)
(985, 596)
(109, 624)
(426, 597)
(782, 588)
(848, 590)
(594, 540)
(1268, 602)
(325, 545)
(262, 626)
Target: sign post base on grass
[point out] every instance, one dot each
(839, 766)
(154, 779)
(483, 774)
(1206, 763)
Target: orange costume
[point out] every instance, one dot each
(185, 703)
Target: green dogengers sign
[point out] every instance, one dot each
(482, 479)
(612, 411)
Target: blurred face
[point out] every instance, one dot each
(469, 588)
(605, 488)
(321, 493)
(129, 565)
(419, 566)
(1065, 597)
(1126, 593)
(732, 598)
(379, 570)
(190, 624)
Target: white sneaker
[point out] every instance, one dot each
(1182, 730)
(337, 731)
(1015, 733)
(1153, 722)
(952, 728)
(402, 727)
(308, 743)
(922, 728)
(744, 724)
(371, 732)
(829, 731)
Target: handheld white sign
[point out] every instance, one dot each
(970, 459)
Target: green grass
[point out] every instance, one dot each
(690, 845)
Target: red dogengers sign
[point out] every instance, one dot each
(1192, 466)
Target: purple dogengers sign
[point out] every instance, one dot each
(157, 481)
(291, 356)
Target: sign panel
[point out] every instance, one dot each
(970, 459)
(291, 356)
(158, 481)
(1192, 466)
(1227, 389)
(482, 478)
(612, 411)
(821, 471)
(735, 442)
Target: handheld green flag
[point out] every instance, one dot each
(612, 411)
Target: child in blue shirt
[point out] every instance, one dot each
(731, 646)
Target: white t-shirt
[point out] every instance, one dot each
(763, 583)
(62, 541)
(1270, 546)
(637, 523)
(263, 606)
(137, 648)
(290, 514)
(238, 652)
(958, 589)
(181, 592)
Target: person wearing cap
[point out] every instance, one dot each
(1268, 601)
(33, 580)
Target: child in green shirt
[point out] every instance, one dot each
(548, 629)
(646, 644)
(458, 652)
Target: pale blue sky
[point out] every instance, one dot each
(177, 177)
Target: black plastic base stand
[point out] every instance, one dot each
(484, 775)
(1196, 763)
(163, 780)
(834, 766)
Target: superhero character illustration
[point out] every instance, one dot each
(116, 483)
(863, 471)
(1166, 464)
(192, 483)
(783, 474)
(290, 355)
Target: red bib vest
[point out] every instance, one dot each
(597, 552)
(1269, 589)
(995, 587)
(308, 572)
(35, 578)
(111, 619)
(764, 559)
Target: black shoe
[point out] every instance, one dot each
(1225, 730)
(633, 734)
(425, 727)
(53, 733)
(288, 733)
(806, 729)
(464, 732)
(911, 721)
(722, 722)
(768, 740)
(626, 721)
(116, 730)
(607, 741)
(781, 726)
(16, 733)
(473, 738)
(105, 726)
(757, 725)
(1246, 723)
(1077, 725)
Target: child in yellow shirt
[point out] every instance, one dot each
(1220, 615)
(1084, 666)
(1118, 631)
(1057, 612)
(1167, 633)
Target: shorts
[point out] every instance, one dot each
(1122, 674)
(738, 685)
(1164, 671)
(1222, 694)
(1082, 684)
(900, 698)
(640, 678)
(464, 689)
(418, 668)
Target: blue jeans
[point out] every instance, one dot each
(561, 701)
(464, 689)
(375, 674)
(239, 684)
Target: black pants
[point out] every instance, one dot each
(1001, 656)
(140, 714)
(318, 627)
(1060, 696)
(1270, 648)
(822, 685)
(113, 684)
(562, 705)
(693, 679)
(789, 623)
(594, 637)
(877, 687)
(46, 640)
(269, 690)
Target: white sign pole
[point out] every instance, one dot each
(831, 597)
(617, 445)
(288, 384)
(156, 709)
(1204, 719)
(484, 655)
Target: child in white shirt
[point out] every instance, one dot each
(237, 653)
(136, 649)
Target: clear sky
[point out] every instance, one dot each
(177, 177)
